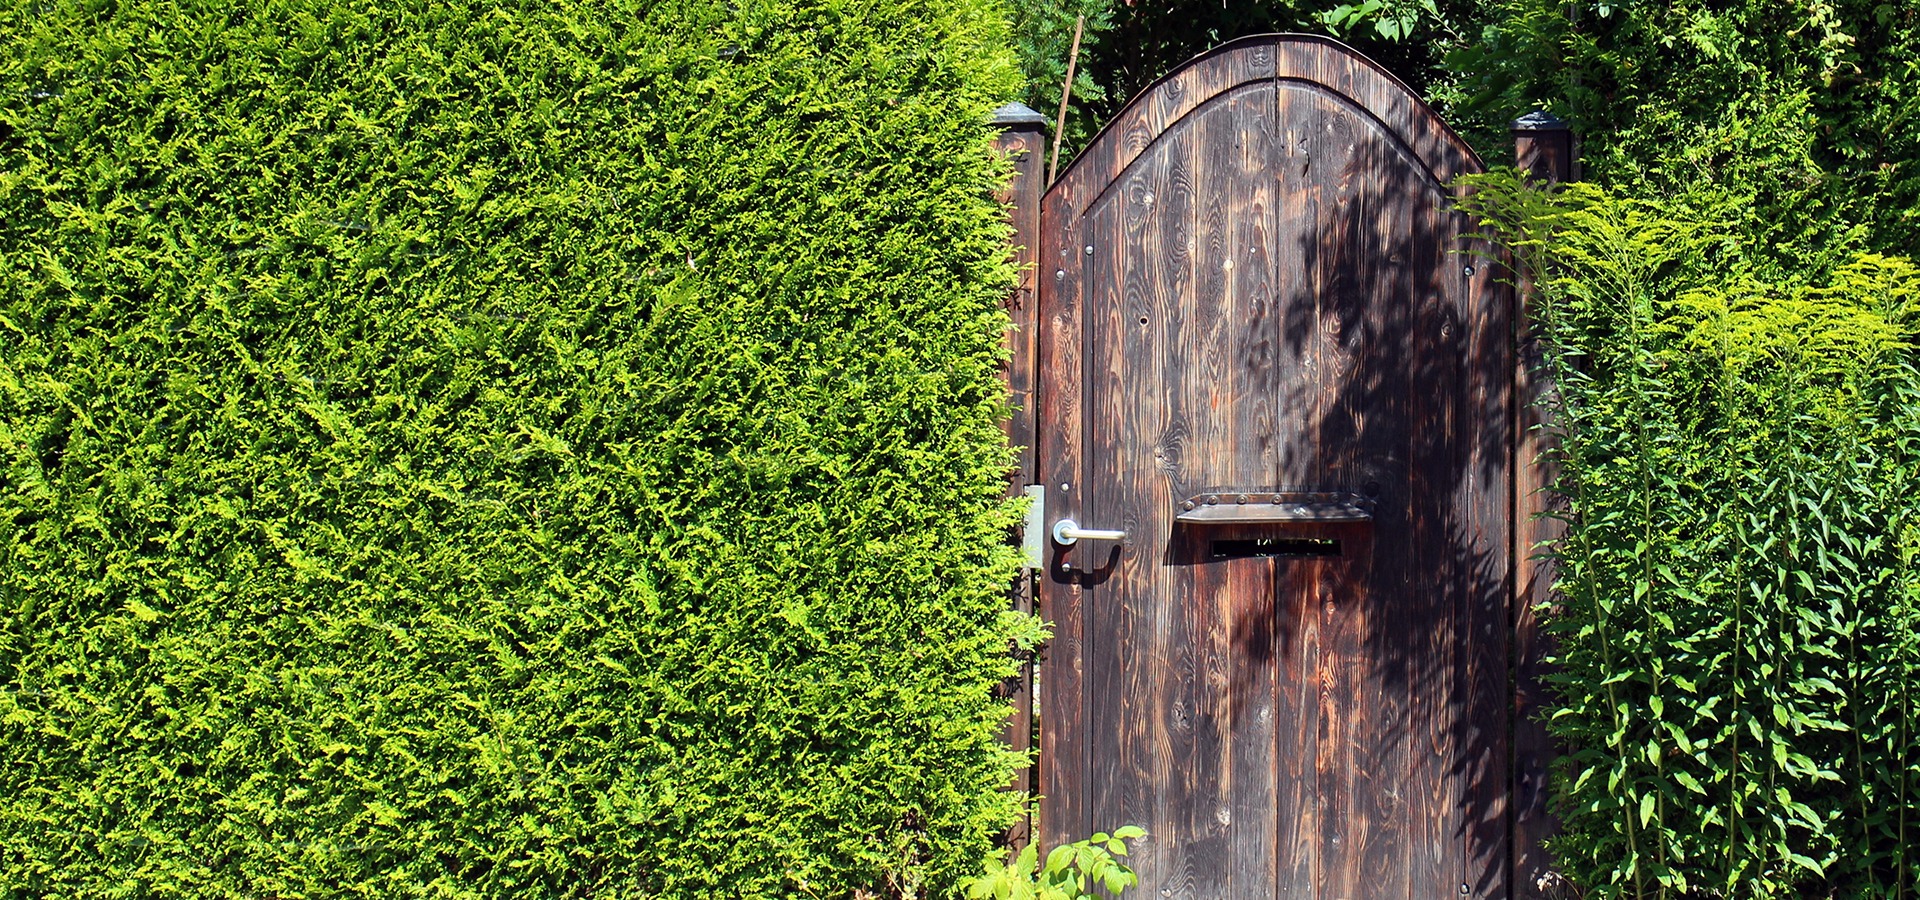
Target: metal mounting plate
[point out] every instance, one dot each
(1259, 507)
(1033, 537)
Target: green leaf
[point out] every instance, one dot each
(1688, 781)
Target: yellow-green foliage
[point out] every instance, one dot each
(499, 450)
(1739, 621)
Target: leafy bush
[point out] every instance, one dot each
(1739, 620)
(1796, 124)
(1071, 872)
(464, 449)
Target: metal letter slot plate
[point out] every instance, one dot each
(1274, 507)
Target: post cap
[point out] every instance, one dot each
(1540, 120)
(1017, 114)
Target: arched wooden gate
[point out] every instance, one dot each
(1266, 352)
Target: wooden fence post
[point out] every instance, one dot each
(1022, 139)
(1543, 148)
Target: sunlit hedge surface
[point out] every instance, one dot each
(465, 449)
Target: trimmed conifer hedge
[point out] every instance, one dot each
(467, 449)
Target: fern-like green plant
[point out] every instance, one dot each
(1736, 621)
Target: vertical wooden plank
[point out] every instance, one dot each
(1418, 253)
(1435, 340)
(1243, 652)
(1022, 141)
(1392, 237)
(1486, 761)
(1348, 823)
(1114, 626)
(1176, 430)
(1298, 633)
(1543, 147)
(1065, 752)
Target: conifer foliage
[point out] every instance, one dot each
(475, 449)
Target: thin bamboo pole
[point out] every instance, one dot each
(1066, 91)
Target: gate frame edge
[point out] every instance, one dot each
(1543, 148)
(1021, 140)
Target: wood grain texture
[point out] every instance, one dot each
(1547, 155)
(1241, 663)
(1066, 812)
(1258, 285)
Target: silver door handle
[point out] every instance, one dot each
(1066, 532)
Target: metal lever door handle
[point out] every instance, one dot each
(1066, 532)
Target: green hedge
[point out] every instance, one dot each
(1738, 685)
(474, 449)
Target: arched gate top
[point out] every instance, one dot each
(1311, 60)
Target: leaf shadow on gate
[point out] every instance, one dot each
(1400, 385)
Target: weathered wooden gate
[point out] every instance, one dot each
(1266, 353)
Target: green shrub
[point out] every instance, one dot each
(1739, 621)
(474, 450)
(1797, 124)
(1076, 871)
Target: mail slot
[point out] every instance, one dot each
(1270, 548)
(1224, 524)
(1275, 508)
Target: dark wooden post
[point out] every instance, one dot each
(1022, 140)
(1543, 148)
